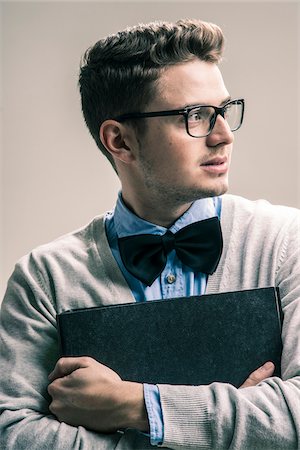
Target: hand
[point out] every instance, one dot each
(259, 375)
(87, 393)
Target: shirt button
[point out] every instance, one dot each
(171, 278)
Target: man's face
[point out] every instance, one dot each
(172, 166)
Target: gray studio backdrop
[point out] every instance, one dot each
(53, 178)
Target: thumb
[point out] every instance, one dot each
(259, 375)
(65, 366)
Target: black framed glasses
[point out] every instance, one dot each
(199, 119)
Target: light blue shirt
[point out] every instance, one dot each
(176, 280)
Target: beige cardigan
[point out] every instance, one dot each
(261, 248)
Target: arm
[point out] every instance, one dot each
(153, 403)
(28, 352)
(87, 393)
(90, 394)
(266, 416)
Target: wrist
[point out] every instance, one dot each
(133, 409)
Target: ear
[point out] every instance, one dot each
(118, 139)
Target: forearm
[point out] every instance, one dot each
(24, 429)
(132, 411)
(220, 416)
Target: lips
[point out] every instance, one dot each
(217, 165)
(215, 161)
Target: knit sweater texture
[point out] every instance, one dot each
(261, 248)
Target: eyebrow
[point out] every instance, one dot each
(227, 99)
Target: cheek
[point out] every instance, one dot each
(173, 152)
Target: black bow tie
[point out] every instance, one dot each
(198, 245)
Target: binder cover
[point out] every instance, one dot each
(189, 340)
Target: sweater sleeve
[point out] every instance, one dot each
(28, 352)
(264, 417)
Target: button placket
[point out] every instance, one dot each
(171, 277)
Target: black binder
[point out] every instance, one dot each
(190, 340)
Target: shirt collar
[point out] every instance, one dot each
(127, 223)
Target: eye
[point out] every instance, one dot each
(195, 115)
(202, 114)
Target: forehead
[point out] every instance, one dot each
(194, 82)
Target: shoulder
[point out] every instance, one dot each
(240, 208)
(60, 272)
(59, 262)
(74, 245)
(260, 223)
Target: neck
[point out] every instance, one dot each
(159, 214)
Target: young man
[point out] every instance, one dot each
(156, 104)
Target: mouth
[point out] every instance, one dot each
(217, 165)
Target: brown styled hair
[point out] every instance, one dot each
(119, 73)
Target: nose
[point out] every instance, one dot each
(220, 134)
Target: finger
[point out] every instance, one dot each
(259, 375)
(65, 366)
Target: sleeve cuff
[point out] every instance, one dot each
(154, 411)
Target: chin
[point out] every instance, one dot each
(196, 194)
(213, 191)
(187, 194)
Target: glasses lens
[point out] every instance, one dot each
(233, 114)
(201, 120)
